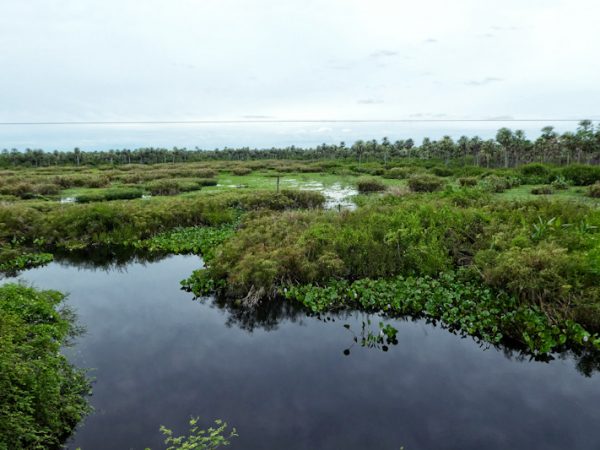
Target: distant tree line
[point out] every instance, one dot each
(508, 149)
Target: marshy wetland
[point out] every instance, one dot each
(363, 297)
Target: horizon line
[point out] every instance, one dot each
(259, 121)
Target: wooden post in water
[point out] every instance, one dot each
(278, 184)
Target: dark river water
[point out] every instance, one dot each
(284, 381)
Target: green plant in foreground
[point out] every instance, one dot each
(198, 438)
(42, 396)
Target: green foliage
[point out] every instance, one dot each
(271, 250)
(240, 171)
(425, 183)
(42, 397)
(21, 261)
(581, 175)
(110, 194)
(594, 190)
(459, 303)
(467, 181)
(174, 187)
(560, 183)
(368, 185)
(400, 172)
(497, 184)
(125, 222)
(535, 173)
(542, 190)
(198, 438)
(197, 240)
(442, 171)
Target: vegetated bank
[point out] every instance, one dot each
(42, 396)
(524, 270)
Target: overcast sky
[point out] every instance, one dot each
(87, 60)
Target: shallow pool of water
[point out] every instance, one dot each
(289, 381)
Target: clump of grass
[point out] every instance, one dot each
(467, 181)
(594, 190)
(441, 171)
(369, 185)
(498, 184)
(241, 171)
(110, 194)
(542, 190)
(399, 172)
(559, 183)
(425, 183)
(174, 187)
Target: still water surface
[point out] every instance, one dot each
(283, 380)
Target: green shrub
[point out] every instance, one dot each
(425, 183)
(497, 184)
(163, 187)
(110, 194)
(205, 173)
(560, 183)
(535, 173)
(441, 171)
(467, 181)
(368, 185)
(594, 190)
(46, 189)
(240, 171)
(206, 182)
(542, 190)
(545, 273)
(581, 175)
(399, 172)
(42, 396)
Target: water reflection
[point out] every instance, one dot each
(281, 378)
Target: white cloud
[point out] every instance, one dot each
(68, 60)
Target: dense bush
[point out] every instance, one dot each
(497, 184)
(123, 222)
(467, 181)
(542, 190)
(581, 175)
(594, 190)
(204, 182)
(368, 185)
(110, 194)
(241, 171)
(399, 172)
(314, 246)
(559, 183)
(425, 183)
(441, 171)
(42, 397)
(205, 173)
(535, 173)
(174, 187)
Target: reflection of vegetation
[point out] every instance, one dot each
(381, 339)
(198, 438)
(42, 396)
(19, 260)
(458, 302)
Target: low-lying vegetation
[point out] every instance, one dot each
(42, 396)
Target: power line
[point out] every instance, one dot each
(281, 121)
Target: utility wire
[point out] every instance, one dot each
(274, 121)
